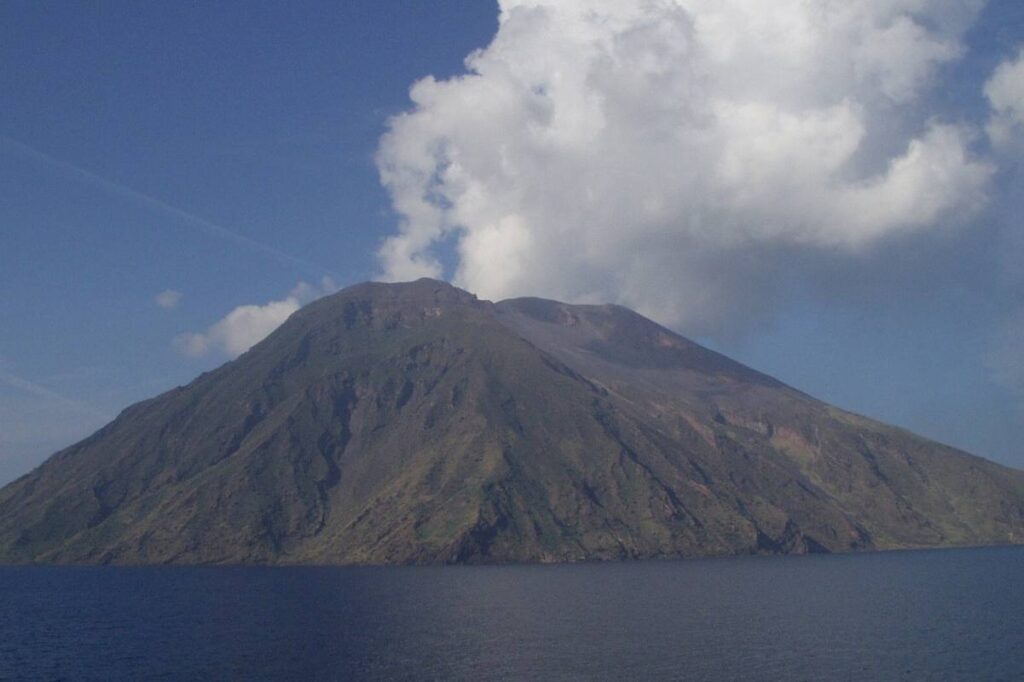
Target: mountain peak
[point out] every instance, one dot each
(385, 304)
(415, 423)
(420, 291)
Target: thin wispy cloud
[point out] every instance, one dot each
(124, 192)
(1006, 354)
(169, 299)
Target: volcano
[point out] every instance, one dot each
(415, 423)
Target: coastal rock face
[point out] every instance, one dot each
(414, 423)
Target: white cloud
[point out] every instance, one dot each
(661, 154)
(1005, 92)
(247, 325)
(169, 299)
(242, 328)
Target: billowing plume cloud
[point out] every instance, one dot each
(675, 155)
(1005, 92)
(247, 325)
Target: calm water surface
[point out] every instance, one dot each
(941, 615)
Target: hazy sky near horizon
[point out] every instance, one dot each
(829, 191)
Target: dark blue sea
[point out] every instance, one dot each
(935, 615)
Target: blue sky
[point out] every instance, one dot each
(228, 152)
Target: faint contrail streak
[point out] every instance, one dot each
(43, 392)
(121, 191)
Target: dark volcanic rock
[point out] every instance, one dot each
(413, 423)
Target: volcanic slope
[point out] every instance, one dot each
(414, 423)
